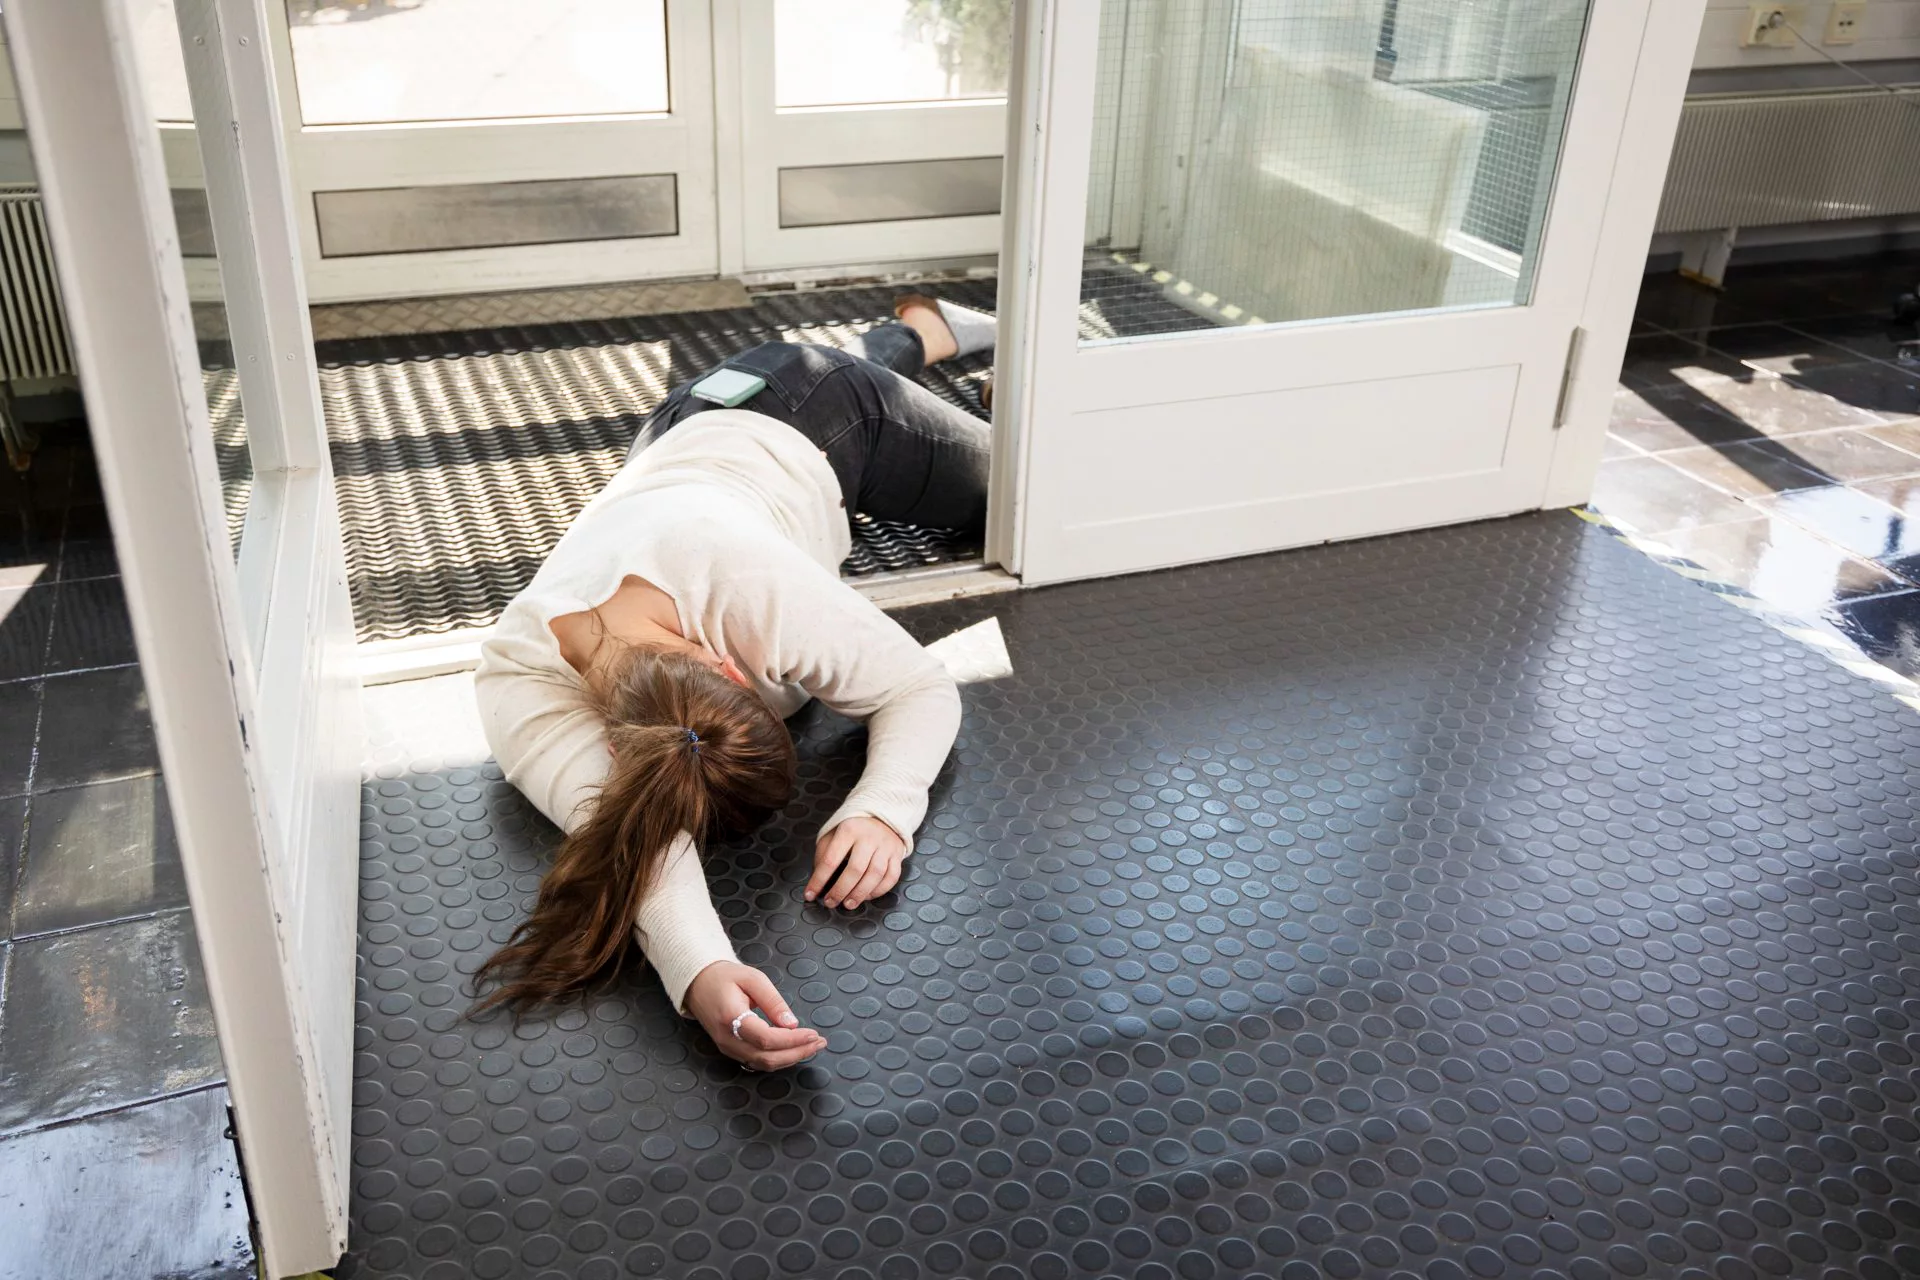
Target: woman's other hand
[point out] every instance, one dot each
(872, 852)
(725, 990)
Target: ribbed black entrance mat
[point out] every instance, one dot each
(1486, 902)
(460, 458)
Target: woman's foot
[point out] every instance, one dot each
(946, 329)
(922, 315)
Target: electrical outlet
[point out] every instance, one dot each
(1771, 26)
(1843, 21)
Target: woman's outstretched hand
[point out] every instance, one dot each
(725, 990)
(872, 852)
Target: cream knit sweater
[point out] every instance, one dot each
(738, 518)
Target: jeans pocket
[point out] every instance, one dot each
(792, 370)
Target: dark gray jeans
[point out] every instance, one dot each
(900, 451)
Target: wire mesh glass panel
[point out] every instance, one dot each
(163, 70)
(1277, 161)
(861, 52)
(395, 61)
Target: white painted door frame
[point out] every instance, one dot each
(255, 702)
(723, 136)
(357, 157)
(1120, 463)
(772, 138)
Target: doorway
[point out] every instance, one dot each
(591, 204)
(1346, 265)
(442, 147)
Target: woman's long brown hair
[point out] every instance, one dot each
(693, 752)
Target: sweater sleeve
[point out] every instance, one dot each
(552, 746)
(834, 643)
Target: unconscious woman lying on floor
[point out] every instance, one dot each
(635, 691)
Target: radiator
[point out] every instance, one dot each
(1764, 159)
(33, 325)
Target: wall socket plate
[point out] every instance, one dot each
(1771, 26)
(1843, 21)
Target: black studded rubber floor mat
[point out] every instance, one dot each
(460, 458)
(1485, 902)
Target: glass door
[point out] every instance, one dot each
(1312, 269)
(230, 382)
(870, 131)
(453, 146)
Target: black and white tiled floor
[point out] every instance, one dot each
(111, 1085)
(1771, 433)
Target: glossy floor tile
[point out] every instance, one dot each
(1887, 629)
(1793, 392)
(13, 830)
(1671, 303)
(1746, 470)
(88, 557)
(1768, 348)
(151, 1193)
(1660, 359)
(1903, 435)
(90, 626)
(1775, 406)
(1846, 455)
(25, 560)
(96, 854)
(103, 1018)
(1649, 496)
(1888, 393)
(95, 726)
(1853, 521)
(26, 620)
(1902, 493)
(1656, 420)
(1873, 337)
(1782, 563)
(19, 725)
(114, 1155)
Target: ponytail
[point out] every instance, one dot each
(692, 752)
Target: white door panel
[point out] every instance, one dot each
(385, 155)
(1424, 224)
(248, 658)
(776, 136)
(1306, 464)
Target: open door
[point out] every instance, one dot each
(213, 456)
(1312, 269)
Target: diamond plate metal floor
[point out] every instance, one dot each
(1483, 902)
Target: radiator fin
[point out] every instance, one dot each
(1766, 159)
(33, 325)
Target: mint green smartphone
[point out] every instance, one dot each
(729, 387)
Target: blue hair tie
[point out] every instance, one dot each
(693, 740)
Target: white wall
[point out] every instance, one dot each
(16, 165)
(1891, 29)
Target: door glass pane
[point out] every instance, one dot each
(398, 61)
(163, 70)
(857, 52)
(1287, 160)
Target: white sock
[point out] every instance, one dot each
(972, 330)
